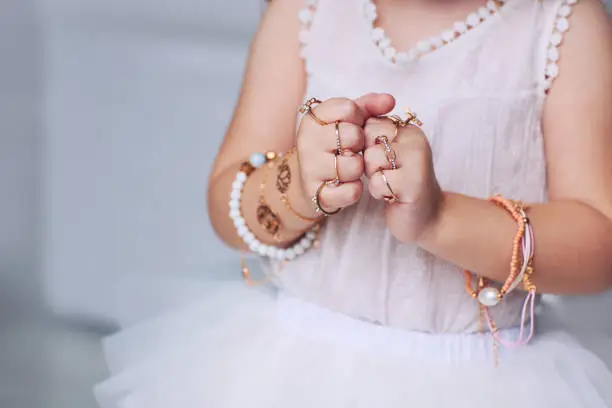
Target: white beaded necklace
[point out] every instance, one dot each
(432, 44)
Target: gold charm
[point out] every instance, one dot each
(269, 220)
(283, 176)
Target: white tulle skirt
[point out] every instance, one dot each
(245, 348)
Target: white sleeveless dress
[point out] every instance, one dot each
(364, 320)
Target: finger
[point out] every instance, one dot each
(338, 109)
(340, 196)
(376, 104)
(395, 184)
(375, 127)
(376, 158)
(355, 112)
(349, 136)
(349, 168)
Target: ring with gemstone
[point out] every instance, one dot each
(307, 108)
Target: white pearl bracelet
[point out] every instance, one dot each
(258, 247)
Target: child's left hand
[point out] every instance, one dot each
(419, 197)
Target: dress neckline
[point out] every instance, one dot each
(430, 45)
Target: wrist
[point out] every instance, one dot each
(431, 232)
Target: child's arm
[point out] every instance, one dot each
(574, 231)
(265, 120)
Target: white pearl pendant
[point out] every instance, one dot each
(488, 296)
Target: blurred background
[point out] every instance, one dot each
(110, 115)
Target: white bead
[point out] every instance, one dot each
(311, 235)
(488, 296)
(401, 58)
(484, 13)
(413, 54)
(572, 2)
(565, 11)
(384, 43)
(262, 249)
(290, 254)
(298, 250)
(473, 20)
(491, 5)
(242, 232)
(257, 160)
(369, 8)
(548, 84)
(552, 70)
(460, 27)
(437, 41)
(304, 243)
(553, 54)
(241, 177)
(255, 246)
(389, 53)
(424, 46)
(556, 39)
(237, 185)
(234, 214)
(448, 36)
(378, 34)
(239, 222)
(305, 16)
(235, 195)
(234, 204)
(562, 25)
(304, 35)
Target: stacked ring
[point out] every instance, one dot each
(317, 200)
(338, 140)
(392, 197)
(390, 153)
(336, 181)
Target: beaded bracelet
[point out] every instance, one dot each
(284, 254)
(488, 296)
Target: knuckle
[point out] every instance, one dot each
(347, 109)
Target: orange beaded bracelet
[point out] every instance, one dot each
(489, 295)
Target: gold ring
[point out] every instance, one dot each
(336, 181)
(307, 108)
(338, 140)
(397, 121)
(390, 153)
(411, 119)
(392, 197)
(317, 201)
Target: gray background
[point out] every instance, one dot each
(110, 114)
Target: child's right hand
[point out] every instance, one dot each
(316, 147)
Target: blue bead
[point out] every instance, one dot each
(257, 160)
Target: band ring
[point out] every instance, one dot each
(336, 181)
(338, 140)
(390, 152)
(392, 197)
(317, 200)
(307, 108)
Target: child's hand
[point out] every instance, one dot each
(317, 146)
(414, 183)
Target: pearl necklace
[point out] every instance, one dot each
(432, 44)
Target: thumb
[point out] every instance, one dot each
(375, 104)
